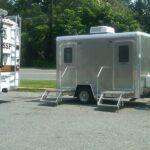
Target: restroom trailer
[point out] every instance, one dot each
(103, 67)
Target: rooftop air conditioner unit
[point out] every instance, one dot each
(101, 30)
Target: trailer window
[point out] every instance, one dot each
(67, 55)
(17, 47)
(124, 53)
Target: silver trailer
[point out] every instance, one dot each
(103, 67)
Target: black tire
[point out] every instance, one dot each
(85, 95)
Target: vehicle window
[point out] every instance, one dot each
(67, 55)
(124, 53)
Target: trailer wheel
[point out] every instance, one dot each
(84, 95)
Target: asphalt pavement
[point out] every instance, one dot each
(37, 74)
(27, 125)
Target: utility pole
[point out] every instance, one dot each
(1, 39)
(51, 15)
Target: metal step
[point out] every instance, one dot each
(110, 98)
(55, 96)
(49, 101)
(51, 97)
(117, 92)
(111, 101)
(108, 105)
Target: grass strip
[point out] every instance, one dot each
(36, 85)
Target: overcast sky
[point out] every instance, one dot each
(133, 0)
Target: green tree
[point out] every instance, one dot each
(105, 13)
(44, 20)
(142, 10)
(34, 32)
(6, 4)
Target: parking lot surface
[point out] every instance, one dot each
(27, 125)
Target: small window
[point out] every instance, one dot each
(124, 53)
(17, 60)
(17, 47)
(67, 55)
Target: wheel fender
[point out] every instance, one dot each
(81, 86)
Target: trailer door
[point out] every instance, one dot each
(68, 70)
(123, 65)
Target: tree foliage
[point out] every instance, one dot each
(44, 20)
(142, 11)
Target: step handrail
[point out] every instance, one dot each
(64, 72)
(99, 74)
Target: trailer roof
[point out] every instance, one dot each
(9, 22)
(96, 36)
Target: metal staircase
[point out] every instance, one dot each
(56, 96)
(112, 98)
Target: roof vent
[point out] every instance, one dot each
(101, 30)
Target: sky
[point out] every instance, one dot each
(133, 0)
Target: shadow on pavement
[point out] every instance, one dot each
(67, 102)
(33, 100)
(127, 104)
(4, 101)
(145, 105)
(106, 109)
(138, 105)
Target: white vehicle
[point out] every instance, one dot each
(10, 27)
(107, 66)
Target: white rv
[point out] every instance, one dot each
(10, 52)
(104, 66)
